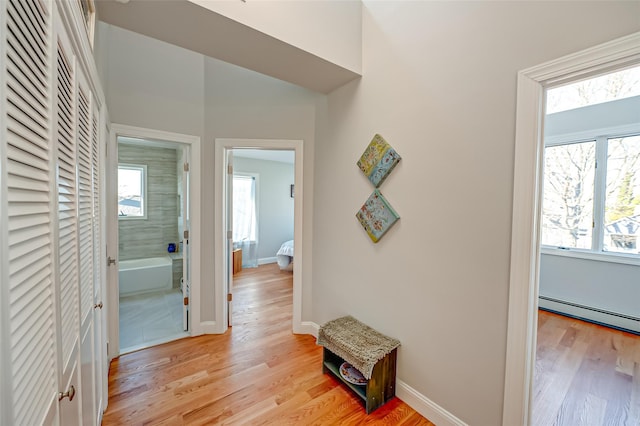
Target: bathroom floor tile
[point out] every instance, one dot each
(148, 318)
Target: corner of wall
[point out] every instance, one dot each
(307, 327)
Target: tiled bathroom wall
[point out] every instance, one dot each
(142, 238)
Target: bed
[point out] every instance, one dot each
(284, 256)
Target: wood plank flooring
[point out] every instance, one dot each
(257, 373)
(585, 374)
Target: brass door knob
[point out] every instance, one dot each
(68, 394)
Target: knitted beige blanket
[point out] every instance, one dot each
(356, 343)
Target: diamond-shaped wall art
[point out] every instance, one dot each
(378, 160)
(376, 216)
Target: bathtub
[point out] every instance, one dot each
(145, 275)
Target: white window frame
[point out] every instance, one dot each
(142, 167)
(600, 136)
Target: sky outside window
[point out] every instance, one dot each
(609, 87)
(131, 191)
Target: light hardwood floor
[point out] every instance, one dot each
(585, 374)
(255, 374)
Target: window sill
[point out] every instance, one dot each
(586, 255)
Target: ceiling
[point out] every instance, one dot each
(188, 25)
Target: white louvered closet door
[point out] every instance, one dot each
(50, 231)
(96, 190)
(86, 248)
(68, 290)
(29, 384)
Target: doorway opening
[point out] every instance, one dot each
(589, 258)
(150, 248)
(527, 207)
(262, 206)
(279, 201)
(152, 268)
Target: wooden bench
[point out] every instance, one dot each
(372, 353)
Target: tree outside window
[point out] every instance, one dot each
(569, 177)
(570, 218)
(622, 206)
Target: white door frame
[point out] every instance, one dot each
(195, 231)
(527, 196)
(221, 273)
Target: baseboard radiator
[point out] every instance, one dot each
(587, 313)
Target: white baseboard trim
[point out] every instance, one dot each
(266, 260)
(308, 327)
(207, 327)
(423, 405)
(598, 316)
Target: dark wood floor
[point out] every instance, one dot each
(585, 374)
(255, 374)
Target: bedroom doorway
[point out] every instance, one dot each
(262, 208)
(264, 246)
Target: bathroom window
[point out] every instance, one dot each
(132, 191)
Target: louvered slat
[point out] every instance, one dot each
(31, 303)
(95, 190)
(67, 216)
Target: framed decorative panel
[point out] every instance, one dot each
(378, 160)
(377, 216)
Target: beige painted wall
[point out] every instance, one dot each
(247, 105)
(439, 83)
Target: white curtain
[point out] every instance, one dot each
(245, 220)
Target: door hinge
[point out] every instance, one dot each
(229, 297)
(186, 301)
(229, 169)
(186, 167)
(229, 235)
(186, 234)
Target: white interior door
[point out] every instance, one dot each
(29, 380)
(98, 351)
(86, 245)
(67, 191)
(186, 248)
(101, 292)
(111, 222)
(48, 205)
(229, 228)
